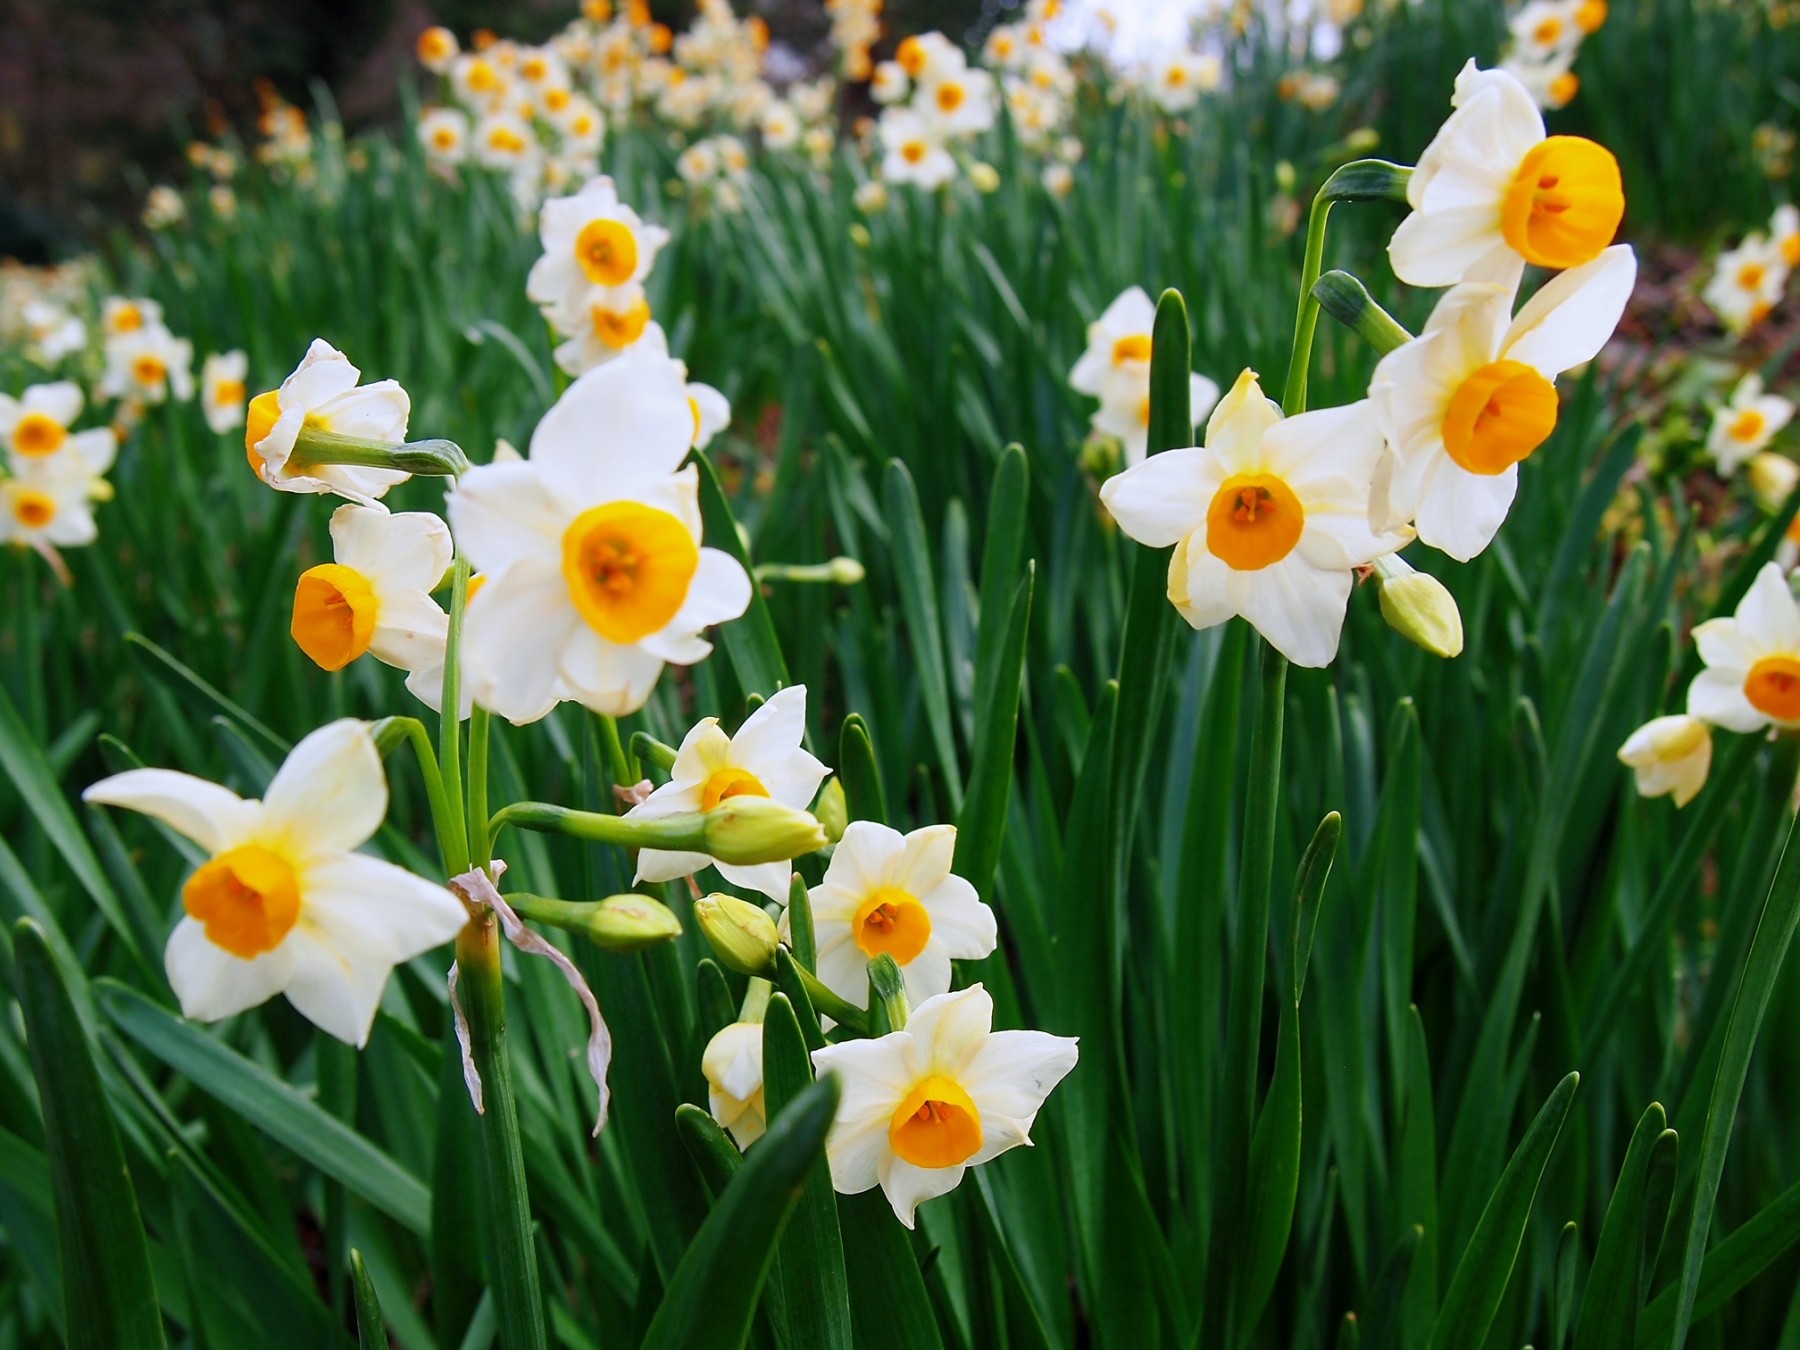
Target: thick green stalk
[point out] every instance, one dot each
(480, 841)
(456, 843)
(1306, 321)
(416, 736)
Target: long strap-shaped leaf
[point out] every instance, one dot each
(1609, 1308)
(108, 1295)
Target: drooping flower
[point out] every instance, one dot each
(1752, 675)
(1268, 519)
(223, 391)
(375, 596)
(1669, 755)
(596, 576)
(593, 242)
(733, 1066)
(36, 430)
(1746, 424)
(1491, 182)
(1474, 395)
(764, 759)
(323, 395)
(283, 903)
(922, 1105)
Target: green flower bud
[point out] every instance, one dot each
(619, 923)
(1417, 607)
(741, 934)
(832, 810)
(758, 830)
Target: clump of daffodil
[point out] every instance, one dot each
(1747, 283)
(922, 1105)
(323, 395)
(283, 903)
(1268, 519)
(1670, 755)
(589, 281)
(37, 432)
(1752, 675)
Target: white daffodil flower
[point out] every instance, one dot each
(592, 550)
(890, 83)
(1773, 479)
(595, 249)
(284, 904)
(1545, 29)
(120, 315)
(1118, 345)
(711, 409)
(148, 364)
(444, 132)
(614, 323)
(436, 49)
(48, 504)
(1268, 519)
(1752, 675)
(922, 1105)
(1124, 411)
(956, 101)
(888, 892)
(1746, 424)
(35, 430)
(1747, 283)
(223, 391)
(764, 759)
(733, 1066)
(1784, 233)
(1474, 395)
(1176, 81)
(928, 55)
(914, 151)
(505, 141)
(375, 596)
(1669, 755)
(323, 395)
(53, 332)
(1491, 182)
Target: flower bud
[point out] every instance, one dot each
(846, 571)
(758, 830)
(619, 923)
(1417, 607)
(741, 934)
(1670, 755)
(984, 176)
(832, 810)
(1773, 479)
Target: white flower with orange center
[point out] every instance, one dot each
(223, 392)
(148, 364)
(436, 49)
(284, 903)
(1118, 345)
(922, 1105)
(479, 81)
(119, 314)
(957, 100)
(780, 127)
(1747, 283)
(1746, 424)
(1543, 30)
(36, 431)
(890, 83)
(1124, 411)
(1268, 519)
(444, 132)
(733, 1067)
(1176, 81)
(53, 332)
(1784, 233)
(1752, 675)
(1669, 755)
(1474, 395)
(323, 396)
(885, 892)
(615, 322)
(764, 759)
(1491, 182)
(582, 125)
(595, 250)
(913, 150)
(47, 504)
(596, 574)
(505, 141)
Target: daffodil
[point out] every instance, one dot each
(436, 49)
(1746, 424)
(1784, 233)
(222, 390)
(148, 364)
(121, 314)
(323, 395)
(1752, 675)
(890, 83)
(1176, 81)
(47, 504)
(1268, 519)
(595, 249)
(733, 1067)
(1124, 411)
(1773, 479)
(283, 903)
(615, 322)
(764, 759)
(1474, 395)
(914, 150)
(1118, 344)
(596, 574)
(504, 140)
(53, 331)
(885, 892)
(444, 133)
(36, 430)
(1669, 755)
(1493, 183)
(922, 1105)
(956, 100)
(1747, 283)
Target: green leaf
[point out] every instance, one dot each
(285, 1114)
(109, 1299)
(981, 825)
(712, 1295)
(858, 772)
(184, 680)
(1002, 558)
(750, 642)
(888, 1299)
(371, 1328)
(919, 605)
(713, 1153)
(800, 924)
(1609, 1307)
(1487, 1262)
(1729, 1266)
(1381, 1325)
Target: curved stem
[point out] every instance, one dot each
(1306, 321)
(455, 841)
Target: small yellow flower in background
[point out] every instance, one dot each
(885, 892)
(733, 1065)
(1491, 182)
(922, 1105)
(223, 392)
(376, 594)
(283, 903)
(617, 322)
(1175, 82)
(1773, 479)
(1670, 755)
(437, 49)
(148, 364)
(870, 197)
(591, 546)
(764, 759)
(36, 431)
(444, 132)
(1474, 395)
(1268, 519)
(1784, 233)
(504, 140)
(1746, 424)
(163, 207)
(1747, 283)
(1059, 179)
(121, 315)
(1752, 675)
(595, 249)
(323, 395)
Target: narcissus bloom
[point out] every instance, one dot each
(1752, 675)
(592, 550)
(1124, 411)
(1747, 282)
(764, 759)
(1784, 233)
(444, 132)
(1669, 755)
(119, 314)
(375, 596)
(922, 1105)
(914, 150)
(1464, 403)
(733, 1065)
(1268, 519)
(148, 364)
(283, 903)
(1118, 344)
(1746, 424)
(1491, 182)
(888, 892)
(47, 504)
(1176, 81)
(35, 430)
(222, 390)
(593, 242)
(616, 321)
(323, 395)
(437, 49)
(956, 100)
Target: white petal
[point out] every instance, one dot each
(374, 910)
(214, 817)
(719, 593)
(1164, 498)
(410, 631)
(375, 412)
(513, 640)
(1460, 512)
(60, 401)
(1723, 645)
(1717, 696)
(606, 677)
(1236, 428)
(774, 731)
(961, 924)
(323, 374)
(1299, 608)
(923, 860)
(951, 1028)
(211, 983)
(336, 991)
(658, 864)
(1571, 317)
(620, 425)
(504, 513)
(928, 974)
(1768, 613)
(98, 448)
(907, 1187)
(772, 879)
(1439, 249)
(330, 795)
(408, 551)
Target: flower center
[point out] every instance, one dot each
(33, 509)
(1773, 688)
(1498, 416)
(1254, 520)
(1547, 31)
(334, 614)
(228, 393)
(949, 97)
(913, 151)
(1564, 87)
(248, 898)
(556, 99)
(127, 319)
(444, 138)
(1790, 249)
(607, 251)
(434, 44)
(482, 78)
(1565, 202)
(149, 369)
(1135, 347)
(727, 783)
(891, 920)
(1748, 426)
(619, 328)
(937, 1125)
(259, 420)
(629, 567)
(1750, 276)
(911, 56)
(506, 140)
(38, 434)
(1591, 16)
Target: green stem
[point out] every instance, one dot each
(336, 1070)
(481, 848)
(830, 1005)
(756, 1000)
(455, 842)
(619, 762)
(432, 776)
(1306, 321)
